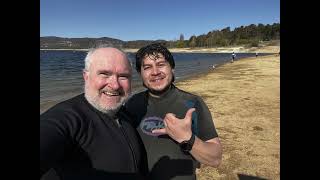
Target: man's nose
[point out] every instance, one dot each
(114, 83)
(155, 71)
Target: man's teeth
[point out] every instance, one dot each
(111, 94)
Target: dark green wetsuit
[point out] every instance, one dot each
(165, 158)
(81, 143)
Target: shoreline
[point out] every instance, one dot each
(244, 100)
(236, 49)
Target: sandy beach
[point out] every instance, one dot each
(244, 99)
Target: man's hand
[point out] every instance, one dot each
(177, 129)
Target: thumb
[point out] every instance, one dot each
(189, 114)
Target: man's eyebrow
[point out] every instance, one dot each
(104, 72)
(144, 63)
(162, 61)
(125, 74)
(110, 73)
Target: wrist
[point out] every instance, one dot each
(187, 145)
(187, 137)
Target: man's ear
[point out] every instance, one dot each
(85, 75)
(172, 71)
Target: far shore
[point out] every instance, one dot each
(236, 49)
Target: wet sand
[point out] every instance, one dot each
(244, 100)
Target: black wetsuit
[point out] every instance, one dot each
(79, 142)
(165, 158)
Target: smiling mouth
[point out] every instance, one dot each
(156, 80)
(111, 93)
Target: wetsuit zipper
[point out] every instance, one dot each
(117, 124)
(130, 146)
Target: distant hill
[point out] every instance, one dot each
(52, 42)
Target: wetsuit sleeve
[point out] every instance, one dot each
(206, 128)
(54, 141)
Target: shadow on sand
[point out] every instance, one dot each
(248, 177)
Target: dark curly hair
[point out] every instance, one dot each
(154, 50)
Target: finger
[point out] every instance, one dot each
(159, 131)
(170, 115)
(165, 123)
(189, 113)
(169, 120)
(168, 124)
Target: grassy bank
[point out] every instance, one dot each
(244, 99)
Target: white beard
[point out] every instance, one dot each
(111, 111)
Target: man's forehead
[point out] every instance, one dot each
(112, 69)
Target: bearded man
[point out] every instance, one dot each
(89, 136)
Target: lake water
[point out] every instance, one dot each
(61, 72)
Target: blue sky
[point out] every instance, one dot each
(151, 19)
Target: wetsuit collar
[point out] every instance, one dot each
(162, 93)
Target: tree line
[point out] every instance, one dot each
(250, 35)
